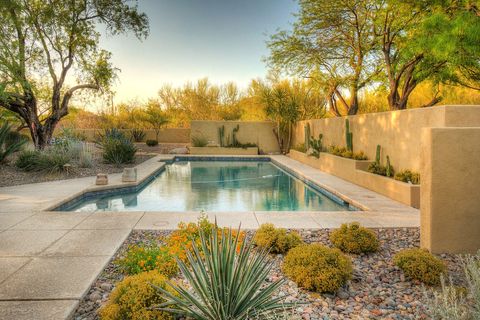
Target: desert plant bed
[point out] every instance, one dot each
(377, 289)
(11, 176)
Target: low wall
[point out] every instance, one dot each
(258, 132)
(398, 132)
(224, 151)
(354, 171)
(166, 135)
(450, 202)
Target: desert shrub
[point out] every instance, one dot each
(9, 142)
(48, 160)
(182, 240)
(199, 141)
(146, 258)
(353, 238)
(408, 176)
(276, 240)
(345, 153)
(110, 133)
(70, 134)
(151, 143)
(228, 282)
(300, 148)
(419, 264)
(134, 296)
(138, 135)
(318, 268)
(85, 158)
(13, 138)
(118, 151)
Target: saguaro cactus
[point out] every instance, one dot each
(307, 136)
(221, 136)
(348, 136)
(388, 168)
(377, 155)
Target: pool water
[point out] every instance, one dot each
(216, 186)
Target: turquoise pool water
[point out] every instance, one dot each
(216, 186)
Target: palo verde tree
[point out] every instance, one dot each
(333, 42)
(55, 44)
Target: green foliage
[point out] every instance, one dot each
(141, 258)
(9, 142)
(388, 168)
(138, 135)
(199, 141)
(228, 281)
(70, 134)
(408, 176)
(151, 143)
(377, 168)
(353, 238)
(276, 240)
(221, 136)
(49, 160)
(419, 264)
(377, 154)
(348, 136)
(155, 117)
(116, 147)
(318, 268)
(118, 151)
(134, 297)
(343, 152)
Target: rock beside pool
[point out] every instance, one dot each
(183, 150)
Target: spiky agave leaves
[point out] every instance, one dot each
(227, 281)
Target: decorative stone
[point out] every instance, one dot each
(102, 179)
(67, 168)
(129, 175)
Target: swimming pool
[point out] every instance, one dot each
(215, 186)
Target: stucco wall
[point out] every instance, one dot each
(258, 132)
(398, 132)
(167, 135)
(450, 202)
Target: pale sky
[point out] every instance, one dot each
(223, 40)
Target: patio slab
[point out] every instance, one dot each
(38, 310)
(9, 265)
(53, 278)
(27, 242)
(8, 220)
(110, 220)
(293, 220)
(51, 221)
(88, 243)
(165, 220)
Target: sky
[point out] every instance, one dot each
(223, 40)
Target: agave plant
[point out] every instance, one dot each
(7, 146)
(227, 281)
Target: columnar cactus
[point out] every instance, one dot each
(348, 136)
(377, 155)
(307, 136)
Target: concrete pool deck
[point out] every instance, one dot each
(48, 260)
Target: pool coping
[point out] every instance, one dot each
(146, 177)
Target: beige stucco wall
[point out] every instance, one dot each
(450, 202)
(166, 135)
(398, 132)
(258, 132)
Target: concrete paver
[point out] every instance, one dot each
(8, 265)
(27, 242)
(38, 310)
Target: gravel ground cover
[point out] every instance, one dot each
(378, 289)
(11, 176)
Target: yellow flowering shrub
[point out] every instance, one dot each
(145, 258)
(180, 241)
(276, 239)
(419, 264)
(133, 297)
(317, 268)
(353, 238)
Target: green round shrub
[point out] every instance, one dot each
(353, 238)
(151, 143)
(318, 268)
(419, 264)
(133, 297)
(276, 240)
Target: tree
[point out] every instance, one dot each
(155, 117)
(434, 40)
(333, 39)
(49, 40)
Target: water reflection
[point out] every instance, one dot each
(218, 186)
